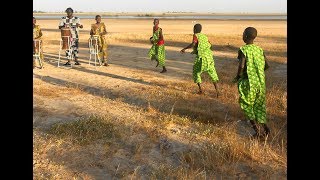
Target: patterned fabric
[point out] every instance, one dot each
(157, 52)
(37, 34)
(102, 43)
(72, 23)
(252, 88)
(204, 60)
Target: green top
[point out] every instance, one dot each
(203, 48)
(156, 36)
(255, 64)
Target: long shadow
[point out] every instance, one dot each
(108, 75)
(109, 163)
(140, 59)
(100, 164)
(205, 109)
(224, 79)
(178, 65)
(140, 100)
(97, 165)
(52, 59)
(183, 64)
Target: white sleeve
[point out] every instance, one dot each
(78, 21)
(61, 23)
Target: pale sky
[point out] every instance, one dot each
(211, 6)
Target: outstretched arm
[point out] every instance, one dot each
(191, 45)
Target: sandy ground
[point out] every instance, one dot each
(131, 91)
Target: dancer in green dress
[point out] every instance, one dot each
(251, 82)
(204, 58)
(157, 51)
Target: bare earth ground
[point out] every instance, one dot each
(129, 121)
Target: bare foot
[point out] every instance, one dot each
(199, 92)
(163, 71)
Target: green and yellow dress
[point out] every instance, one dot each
(251, 85)
(204, 59)
(96, 30)
(157, 51)
(37, 34)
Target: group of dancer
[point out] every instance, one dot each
(98, 29)
(250, 75)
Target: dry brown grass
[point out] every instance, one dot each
(163, 108)
(85, 131)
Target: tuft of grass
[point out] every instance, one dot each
(85, 130)
(168, 172)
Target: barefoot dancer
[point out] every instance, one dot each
(157, 51)
(251, 82)
(99, 29)
(204, 58)
(74, 23)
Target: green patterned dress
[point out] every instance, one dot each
(251, 85)
(204, 60)
(157, 52)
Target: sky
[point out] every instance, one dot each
(203, 6)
